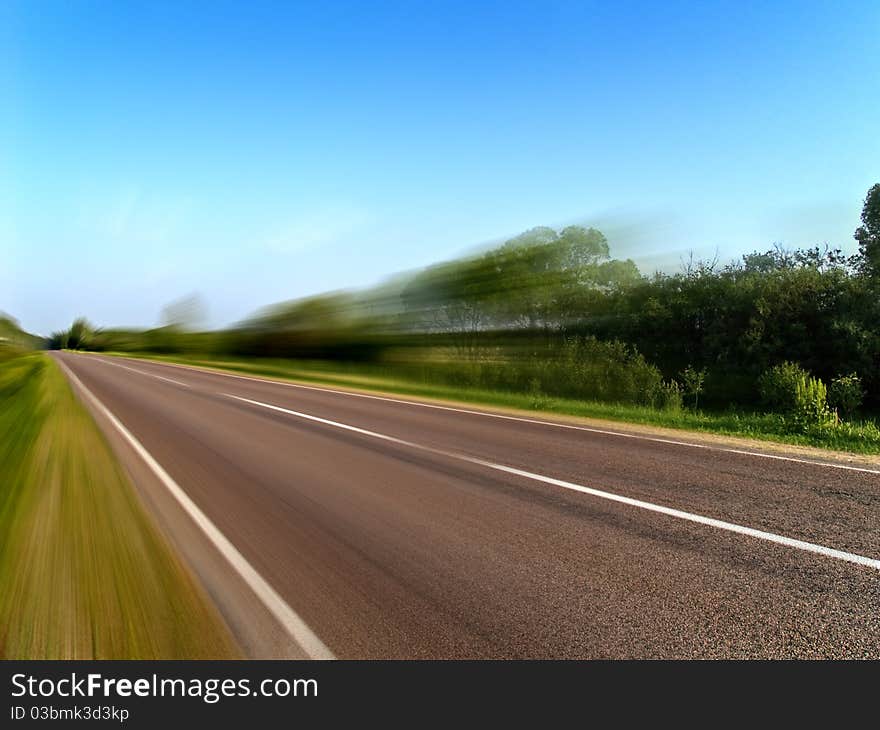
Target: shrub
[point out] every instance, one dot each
(811, 405)
(692, 382)
(669, 396)
(605, 371)
(538, 400)
(802, 399)
(845, 394)
(778, 386)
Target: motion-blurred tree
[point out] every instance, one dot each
(79, 334)
(185, 313)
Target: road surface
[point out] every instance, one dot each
(326, 524)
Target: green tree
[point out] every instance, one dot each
(79, 334)
(693, 381)
(581, 247)
(868, 234)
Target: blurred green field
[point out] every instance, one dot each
(84, 573)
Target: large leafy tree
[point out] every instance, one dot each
(540, 281)
(868, 234)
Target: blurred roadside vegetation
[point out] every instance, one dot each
(15, 341)
(552, 315)
(84, 572)
(857, 437)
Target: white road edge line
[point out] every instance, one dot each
(487, 414)
(277, 606)
(650, 506)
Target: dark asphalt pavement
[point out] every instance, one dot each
(384, 535)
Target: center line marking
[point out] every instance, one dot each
(611, 496)
(522, 419)
(142, 372)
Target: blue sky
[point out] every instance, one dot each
(256, 152)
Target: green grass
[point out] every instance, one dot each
(84, 573)
(861, 438)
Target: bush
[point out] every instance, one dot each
(538, 400)
(779, 386)
(811, 405)
(612, 372)
(803, 400)
(845, 394)
(692, 382)
(580, 368)
(669, 396)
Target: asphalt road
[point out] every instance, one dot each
(367, 527)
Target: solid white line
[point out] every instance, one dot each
(650, 506)
(487, 414)
(277, 606)
(142, 372)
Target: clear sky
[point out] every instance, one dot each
(256, 152)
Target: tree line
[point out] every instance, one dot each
(551, 311)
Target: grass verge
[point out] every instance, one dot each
(857, 438)
(84, 573)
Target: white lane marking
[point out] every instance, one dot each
(142, 372)
(277, 606)
(570, 426)
(650, 506)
